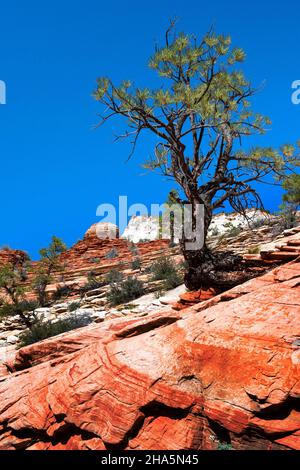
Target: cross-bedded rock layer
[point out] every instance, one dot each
(226, 370)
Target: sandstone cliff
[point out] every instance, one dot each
(222, 371)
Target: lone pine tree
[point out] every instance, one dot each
(49, 263)
(201, 117)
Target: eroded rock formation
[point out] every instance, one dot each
(226, 370)
(7, 256)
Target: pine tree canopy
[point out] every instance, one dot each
(203, 120)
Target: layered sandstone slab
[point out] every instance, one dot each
(224, 371)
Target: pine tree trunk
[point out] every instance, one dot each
(205, 269)
(196, 258)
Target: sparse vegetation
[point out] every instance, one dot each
(136, 263)
(232, 230)
(133, 249)
(46, 329)
(74, 306)
(215, 232)
(291, 198)
(12, 276)
(113, 253)
(287, 217)
(49, 263)
(162, 268)
(224, 446)
(125, 291)
(114, 276)
(39, 285)
(290, 203)
(165, 269)
(95, 260)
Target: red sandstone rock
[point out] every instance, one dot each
(191, 297)
(8, 256)
(93, 254)
(229, 372)
(194, 297)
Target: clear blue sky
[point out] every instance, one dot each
(55, 169)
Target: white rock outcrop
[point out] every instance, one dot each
(142, 227)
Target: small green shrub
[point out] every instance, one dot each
(42, 330)
(134, 249)
(114, 276)
(215, 232)
(95, 260)
(125, 291)
(224, 446)
(112, 254)
(165, 269)
(73, 306)
(162, 268)
(136, 264)
(233, 231)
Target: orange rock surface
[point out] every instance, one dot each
(223, 371)
(194, 297)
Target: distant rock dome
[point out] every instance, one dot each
(102, 230)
